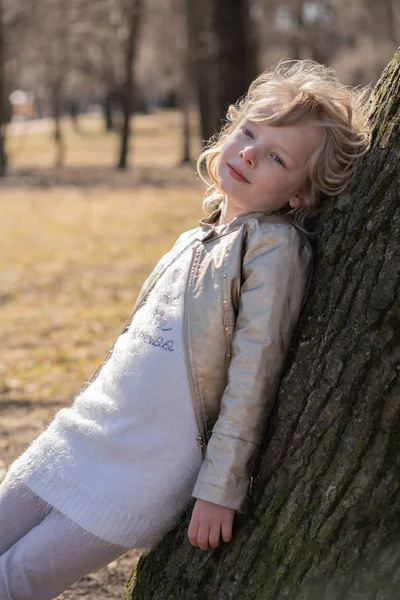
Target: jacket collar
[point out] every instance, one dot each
(207, 225)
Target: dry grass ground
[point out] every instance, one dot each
(76, 246)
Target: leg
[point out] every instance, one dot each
(20, 510)
(50, 558)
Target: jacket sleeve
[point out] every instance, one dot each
(277, 268)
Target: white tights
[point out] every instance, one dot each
(42, 553)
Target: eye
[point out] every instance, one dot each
(247, 132)
(278, 160)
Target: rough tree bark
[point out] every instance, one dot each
(325, 523)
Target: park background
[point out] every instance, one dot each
(104, 105)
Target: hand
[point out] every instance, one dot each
(207, 521)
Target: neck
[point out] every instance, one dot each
(227, 215)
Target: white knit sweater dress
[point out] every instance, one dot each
(122, 460)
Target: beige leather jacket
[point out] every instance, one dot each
(246, 286)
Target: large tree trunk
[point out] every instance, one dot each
(223, 55)
(237, 54)
(202, 57)
(325, 523)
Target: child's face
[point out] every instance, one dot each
(262, 167)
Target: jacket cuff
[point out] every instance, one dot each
(225, 474)
(208, 491)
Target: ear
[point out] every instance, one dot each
(299, 198)
(296, 201)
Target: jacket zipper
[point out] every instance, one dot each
(201, 445)
(201, 437)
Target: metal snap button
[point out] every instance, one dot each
(227, 328)
(225, 301)
(223, 274)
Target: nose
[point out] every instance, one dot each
(248, 154)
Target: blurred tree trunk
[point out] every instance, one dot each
(184, 99)
(134, 17)
(325, 523)
(391, 9)
(237, 53)
(295, 40)
(58, 59)
(315, 38)
(186, 87)
(58, 136)
(202, 52)
(74, 113)
(108, 112)
(3, 111)
(222, 47)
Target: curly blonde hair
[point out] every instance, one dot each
(289, 93)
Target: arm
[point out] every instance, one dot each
(276, 269)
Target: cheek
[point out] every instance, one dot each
(226, 155)
(219, 163)
(221, 174)
(223, 154)
(223, 158)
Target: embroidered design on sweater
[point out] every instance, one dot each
(158, 341)
(161, 313)
(159, 320)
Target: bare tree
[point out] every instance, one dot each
(133, 12)
(57, 72)
(55, 19)
(325, 523)
(41, 31)
(185, 107)
(187, 81)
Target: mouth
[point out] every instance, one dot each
(236, 174)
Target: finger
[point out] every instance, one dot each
(202, 536)
(214, 536)
(226, 530)
(192, 532)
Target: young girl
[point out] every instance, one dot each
(178, 407)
